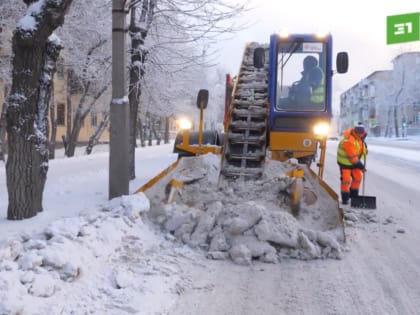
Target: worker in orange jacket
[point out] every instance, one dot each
(351, 153)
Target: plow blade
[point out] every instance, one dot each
(328, 197)
(363, 202)
(312, 198)
(157, 178)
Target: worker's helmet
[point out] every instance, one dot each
(309, 62)
(360, 129)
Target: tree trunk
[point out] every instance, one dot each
(2, 134)
(3, 147)
(388, 124)
(27, 110)
(79, 118)
(76, 124)
(149, 131)
(47, 90)
(94, 139)
(397, 132)
(156, 133)
(74, 135)
(166, 134)
(53, 120)
(138, 33)
(69, 112)
(141, 133)
(134, 89)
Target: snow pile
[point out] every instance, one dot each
(354, 216)
(245, 220)
(357, 217)
(107, 262)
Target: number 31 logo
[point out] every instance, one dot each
(403, 28)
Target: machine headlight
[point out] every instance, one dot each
(283, 34)
(321, 34)
(322, 129)
(184, 123)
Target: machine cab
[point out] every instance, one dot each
(301, 69)
(300, 77)
(300, 94)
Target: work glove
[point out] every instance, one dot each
(359, 165)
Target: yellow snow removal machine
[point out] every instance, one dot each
(278, 110)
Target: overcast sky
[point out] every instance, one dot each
(358, 27)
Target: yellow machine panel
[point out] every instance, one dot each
(283, 144)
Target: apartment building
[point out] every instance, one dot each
(387, 101)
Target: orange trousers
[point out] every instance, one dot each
(350, 179)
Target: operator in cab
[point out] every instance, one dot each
(309, 91)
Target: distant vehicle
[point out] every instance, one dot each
(333, 137)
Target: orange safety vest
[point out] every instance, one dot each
(351, 149)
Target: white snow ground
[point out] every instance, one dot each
(86, 255)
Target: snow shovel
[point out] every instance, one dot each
(364, 202)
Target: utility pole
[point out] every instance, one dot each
(119, 113)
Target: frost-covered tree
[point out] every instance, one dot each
(140, 22)
(217, 89)
(94, 138)
(87, 57)
(10, 12)
(34, 49)
(173, 53)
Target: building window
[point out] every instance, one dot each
(371, 90)
(61, 114)
(93, 119)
